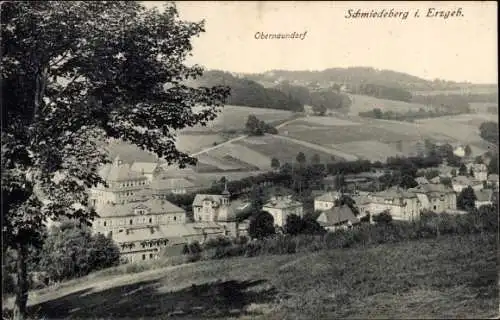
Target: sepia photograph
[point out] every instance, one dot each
(249, 160)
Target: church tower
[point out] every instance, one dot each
(225, 196)
(223, 210)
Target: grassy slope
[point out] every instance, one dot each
(362, 103)
(454, 277)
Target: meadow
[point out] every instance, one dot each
(233, 118)
(449, 277)
(361, 103)
(283, 150)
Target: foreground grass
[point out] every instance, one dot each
(453, 277)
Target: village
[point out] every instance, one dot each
(134, 211)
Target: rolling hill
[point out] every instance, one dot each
(450, 277)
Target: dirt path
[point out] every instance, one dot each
(238, 139)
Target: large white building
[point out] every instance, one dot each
(124, 185)
(435, 197)
(402, 205)
(280, 207)
(220, 210)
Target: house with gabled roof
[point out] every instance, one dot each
(459, 183)
(484, 197)
(221, 211)
(326, 201)
(147, 169)
(340, 217)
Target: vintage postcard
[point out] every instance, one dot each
(249, 159)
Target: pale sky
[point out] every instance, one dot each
(457, 48)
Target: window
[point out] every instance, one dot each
(150, 256)
(150, 220)
(130, 221)
(143, 257)
(104, 223)
(435, 207)
(175, 218)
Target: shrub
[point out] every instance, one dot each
(72, 251)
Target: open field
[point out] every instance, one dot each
(486, 89)
(483, 106)
(453, 277)
(191, 143)
(225, 162)
(343, 134)
(361, 103)
(461, 132)
(326, 121)
(243, 153)
(235, 117)
(283, 150)
(370, 149)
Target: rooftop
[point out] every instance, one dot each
(170, 232)
(152, 206)
(484, 195)
(282, 203)
(337, 215)
(144, 167)
(329, 196)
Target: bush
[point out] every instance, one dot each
(72, 251)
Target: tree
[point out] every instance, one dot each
(319, 109)
(73, 75)
(252, 123)
(431, 174)
(316, 159)
(468, 151)
(348, 201)
(489, 131)
(453, 172)
(471, 173)
(72, 251)
(294, 224)
(261, 225)
(223, 180)
(462, 171)
(446, 181)
(301, 158)
(104, 252)
(466, 199)
(493, 165)
(257, 197)
(408, 182)
(275, 163)
(383, 217)
(377, 113)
